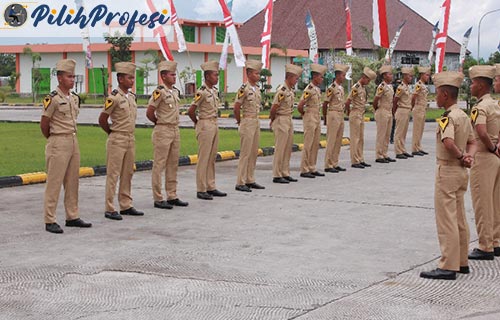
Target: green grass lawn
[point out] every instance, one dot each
(22, 146)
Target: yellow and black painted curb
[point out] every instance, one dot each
(41, 177)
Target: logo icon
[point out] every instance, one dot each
(15, 15)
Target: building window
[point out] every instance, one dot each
(189, 33)
(220, 34)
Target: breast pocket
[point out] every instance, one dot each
(65, 110)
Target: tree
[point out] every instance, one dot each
(151, 57)
(494, 58)
(120, 47)
(265, 87)
(7, 64)
(36, 75)
(187, 75)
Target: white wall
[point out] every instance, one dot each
(206, 35)
(278, 71)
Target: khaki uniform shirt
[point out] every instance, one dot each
(335, 97)
(122, 110)
(249, 98)
(284, 98)
(385, 92)
(403, 93)
(62, 111)
(486, 111)
(454, 124)
(312, 101)
(166, 104)
(421, 92)
(207, 102)
(358, 98)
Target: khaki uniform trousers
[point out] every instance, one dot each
(120, 156)
(402, 121)
(452, 227)
(383, 119)
(62, 158)
(166, 143)
(357, 136)
(249, 150)
(418, 129)
(312, 132)
(334, 133)
(283, 143)
(485, 190)
(207, 134)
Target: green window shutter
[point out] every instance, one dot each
(220, 34)
(139, 82)
(198, 78)
(222, 81)
(44, 85)
(189, 33)
(95, 81)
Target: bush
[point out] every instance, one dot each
(83, 97)
(2, 96)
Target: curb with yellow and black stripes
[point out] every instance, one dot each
(41, 177)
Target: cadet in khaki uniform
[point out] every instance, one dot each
(455, 148)
(62, 153)
(206, 101)
(121, 108)
(497, 221)
(163, 111)
(282, 126)
(485, 173)
(248, 101)
(401, 110)
(382, 104)
(333, 113)
(356, 115)
(419, 107)
(308, 107)
(497, 78)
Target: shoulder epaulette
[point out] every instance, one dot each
(356, 85)
(203, 87)
(309, 87)
(53, 93)
(133, 93)
(114, 92)
(160, 87)
(283, 88)
(178, 91)
(79, 99)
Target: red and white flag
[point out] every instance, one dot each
(380, 29)
(159, 34)
(265, 39)
(239, 57)
(348, 29)
(178, 30)
(442, 35)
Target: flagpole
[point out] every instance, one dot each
(479, 31)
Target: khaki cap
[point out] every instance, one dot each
(170, 66)
(319, 68)
(448, 78)
(424, 70)
(125, 68)
(407, 71)
(210, 66)
(497, 72)
(341, 67)
(369, 73)
(384, 69)
(482, 71)
(291, 68)
(66, 65)
(254, 65)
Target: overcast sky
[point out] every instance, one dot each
(464, 14)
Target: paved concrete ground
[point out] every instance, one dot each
(346, 246)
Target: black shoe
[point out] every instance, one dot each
(424, 153)
(78, 223)
(317, 174)
(53, 228)
(163, 205)
(331, 170)
(216, 193)
(365, 164)
(417, 153)
(340, 168)
(496, 251)
(382, 160)
(390, 159)
(406, 154)
(290, 179)
(242, 187)
(401, 156)
(204, 196)
(280, 180)
(177, 202)
(439, 274)
(464, 270)
(307, 175)
(131, 212)
(478, 254)
(358, 166)
(255, 185)
(113, 215)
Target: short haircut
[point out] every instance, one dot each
(289, 75)
(60, 73)
(314, 74)
(487, 81)
(207, 73)
(337, 73)
(248, 70)
(451, 90)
